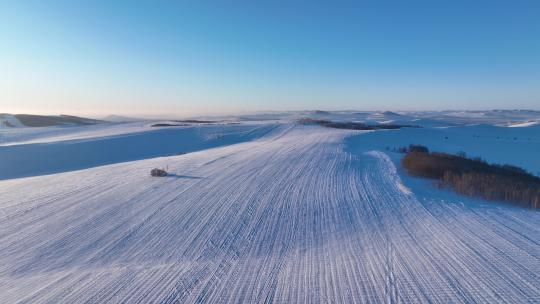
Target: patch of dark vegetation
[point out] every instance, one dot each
(352, 125)
(169, 125)
(49, 121)
(418, 148)
(189, 122)
(156, 172)
(474, 177)
(197, 121)
(8, 124)
(320, 112)
(390, 113)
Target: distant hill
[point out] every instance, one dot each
(29, 120)
(119, 118)
(390, 113)
(320, 112)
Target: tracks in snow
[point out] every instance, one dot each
(290, 218)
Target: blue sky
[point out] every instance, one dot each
(184, 58)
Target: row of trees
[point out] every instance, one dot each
(475, 177)
(352, 125)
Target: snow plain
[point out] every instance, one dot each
(299, 214)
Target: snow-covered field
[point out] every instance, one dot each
(72, 150)
(24, 135)
(292, 214)
(519, 146)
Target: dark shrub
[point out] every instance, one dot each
(158, 172)
(418, 149)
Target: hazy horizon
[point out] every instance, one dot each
(164, 115)
(240, 113)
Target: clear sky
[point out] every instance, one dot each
(184, 58)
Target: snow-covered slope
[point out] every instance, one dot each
(524, 124)
(431, 118)
(82, 149)
(31, 120)
(289, 218)
(502, 145)
(9, 121)
(16, 136)
(124, 125)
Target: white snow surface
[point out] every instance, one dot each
(524, 124)
(297, 216)
(495, 144)
(17, 136)
(96, 146)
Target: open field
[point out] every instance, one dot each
(80, 150)
(300, 214)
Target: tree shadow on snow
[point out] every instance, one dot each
(183, 176)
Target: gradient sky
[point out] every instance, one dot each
(184, 58)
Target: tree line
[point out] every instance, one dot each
(474, 177)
